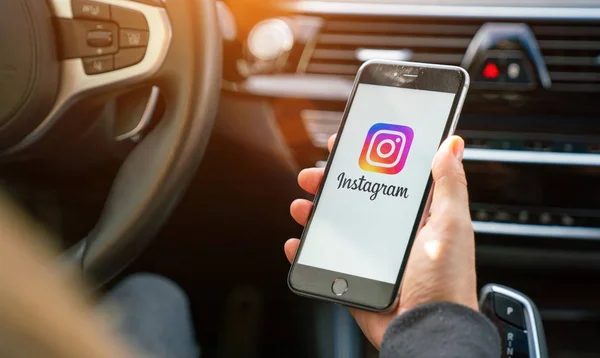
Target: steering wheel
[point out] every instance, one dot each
(58, 53)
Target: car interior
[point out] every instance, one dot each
(166, 136)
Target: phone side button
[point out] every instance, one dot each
(339, 286)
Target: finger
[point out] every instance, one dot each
(300, 210)
(290, 248)
(330, 142)
(310, 179)
(450, 191)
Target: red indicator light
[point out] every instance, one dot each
(491, 71)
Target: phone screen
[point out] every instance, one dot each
(379, 172)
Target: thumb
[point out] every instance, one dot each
(450, 191)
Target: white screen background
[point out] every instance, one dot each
(352, 234)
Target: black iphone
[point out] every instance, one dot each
(377, 182)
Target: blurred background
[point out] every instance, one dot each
(531, 123)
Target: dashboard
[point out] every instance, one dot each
(530, 121)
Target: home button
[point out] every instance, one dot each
(339, 286)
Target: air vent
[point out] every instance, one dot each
(571, 50)
(345, 42)
(572, 54)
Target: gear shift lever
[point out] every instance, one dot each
(517, 319)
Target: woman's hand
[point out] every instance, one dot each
(441, 266)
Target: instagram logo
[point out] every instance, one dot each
(386, 148)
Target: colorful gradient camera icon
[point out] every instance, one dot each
(386, 148)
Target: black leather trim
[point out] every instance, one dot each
(29, 68)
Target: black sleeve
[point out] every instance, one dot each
(441, 330)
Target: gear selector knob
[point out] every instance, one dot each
(517, 319)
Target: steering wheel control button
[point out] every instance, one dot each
(90, 10)
(75, 38)
(509, 310)
(339, 286)
(100, 38)
(129, 57)
(97, 65)
(129, 19)
(133, 38)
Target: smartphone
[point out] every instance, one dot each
(377, 183)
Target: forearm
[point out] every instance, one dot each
(441, 330)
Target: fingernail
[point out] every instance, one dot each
(458, 147)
